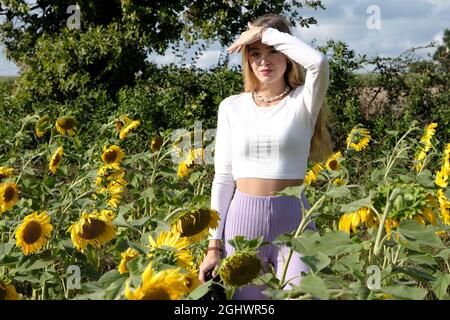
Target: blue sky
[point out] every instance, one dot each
(403, 24)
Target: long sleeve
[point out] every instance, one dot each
(315, 62)
(223, 183)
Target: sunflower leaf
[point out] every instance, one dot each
(406, 292)
(315, 286)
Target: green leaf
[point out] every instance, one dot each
(194, 177)
(405, 292)
(200, 291)
(109, 277)
(422, 259)
(5, 248)
(338, 192)
(333, 243)
(355, 205)
(443, 254)
(316, 262)
(441, 284)
(315, 286)
(423, 234)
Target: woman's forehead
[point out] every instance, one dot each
(258, 45)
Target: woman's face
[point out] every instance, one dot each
(267, 64)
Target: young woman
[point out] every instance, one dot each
(263, 141)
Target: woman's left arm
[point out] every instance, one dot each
(315, 62)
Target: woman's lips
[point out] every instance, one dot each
(266, 72)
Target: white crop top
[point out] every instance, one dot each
(268, 142)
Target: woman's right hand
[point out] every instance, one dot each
(210, 261)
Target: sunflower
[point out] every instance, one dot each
(112, 155)
(167, 284)
(172, 248)
(311, 176)
(42, 126)
(9, 194)
(195, 224)
(191, 279)
(34, 232)
(128, 125)
(114, 192)
(128, 255)
(352, 220)
(240, 268)
(426, 146)
(444, 206)
(428, 134)
(107, 169)
(6, 172)
(182, 170)
(8, 292)
(55, 159)
(332, 164)
(156, 143)
(194, 156)
(358, 139)
(389, 225)
(93, 228)
(65, 125)
(441, 179)
(339, 182)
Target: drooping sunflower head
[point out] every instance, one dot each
(113, 155)
(311, 175)
(42, 126)
(195, 224)
(183, 170)
(8, 292)
(56, 159)
(156, 143)
(128, 255)
(6, 172)
(94, 228)
(240, 268)
(66, 125)
(9, 194)
(170, 248)
(168, 284)
(358, 139)
(34, 232)
(129, 126)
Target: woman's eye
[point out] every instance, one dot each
(275, 51)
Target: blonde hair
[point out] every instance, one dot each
(321, 146)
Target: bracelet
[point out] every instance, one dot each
(213, 248)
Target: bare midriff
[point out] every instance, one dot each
(265, 187)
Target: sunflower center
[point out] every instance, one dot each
(56, 159)
(333, 164)
(92, 229)
(66, 123)
(195, 223)
(9, 194)
(32, 232)
(156, 294)
(2, 176)
(110, 156)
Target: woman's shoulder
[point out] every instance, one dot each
(235, 100)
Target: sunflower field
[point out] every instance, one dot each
(101, 198)
(109, 224)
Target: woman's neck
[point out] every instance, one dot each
(270, 90)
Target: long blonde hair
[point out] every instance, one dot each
(321, 146)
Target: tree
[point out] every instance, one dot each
(115, 37)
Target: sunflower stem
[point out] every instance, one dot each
(301, 227)
(379, 241)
